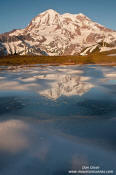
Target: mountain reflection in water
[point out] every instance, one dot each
(56, 119)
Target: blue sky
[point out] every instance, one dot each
(15, 14)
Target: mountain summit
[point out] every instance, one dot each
(51, 33)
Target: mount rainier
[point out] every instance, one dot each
(51, 33)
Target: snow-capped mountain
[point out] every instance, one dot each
(51, 33)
